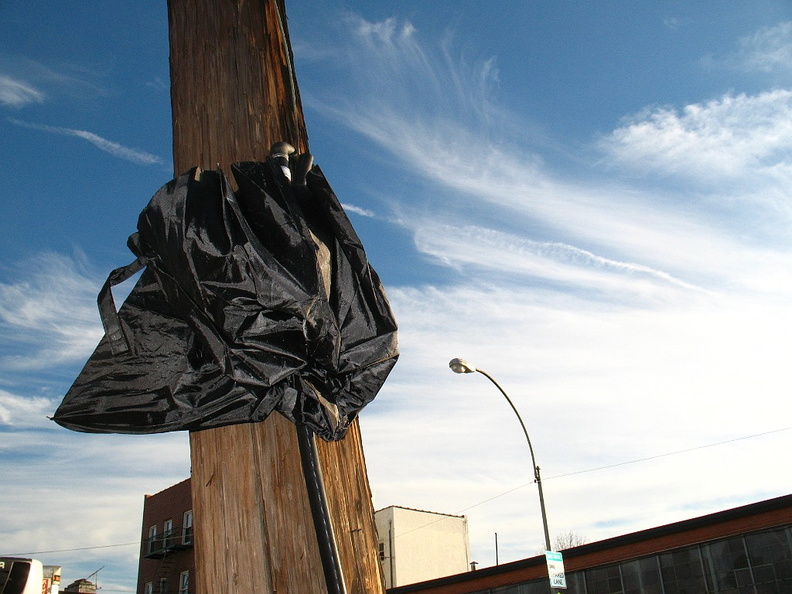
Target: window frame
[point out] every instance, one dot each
(187, 527)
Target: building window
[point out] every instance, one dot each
(187, 528)
(604, 580)
(771, 557)
(576, 582)
(167, 533)
(163, 586)
(382, 551)
(681, 571)
(727, 561)
(152, 539)
(184, 582)
(641, 576)
(148, 588)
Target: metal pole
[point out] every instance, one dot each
(537, 475)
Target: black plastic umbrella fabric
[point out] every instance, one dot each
(232, 317)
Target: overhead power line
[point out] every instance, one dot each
(674, 453)
(637, 460)
(655, 457)
(28, 554)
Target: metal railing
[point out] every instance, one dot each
(173, 540)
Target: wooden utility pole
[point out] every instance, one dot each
(234, 93)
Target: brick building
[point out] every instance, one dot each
(167, 562)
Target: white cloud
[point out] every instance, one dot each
(767, 50)
(626, 320)
(732, 153)
(658, 366)
(16, 93)
(100, 479)
(157, 84)
(18, 411)
(675, 23)
(513, 256)
(733, 138)
(595, 385)
(52, 309)
(47, 83)
(363, 212)
(388, 32)
(402, 73)
(117, 150)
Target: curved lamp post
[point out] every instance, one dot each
(462, 366)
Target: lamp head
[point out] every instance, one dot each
(461, 366)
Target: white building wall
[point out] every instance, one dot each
(418, 545)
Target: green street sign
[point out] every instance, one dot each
(555, 569)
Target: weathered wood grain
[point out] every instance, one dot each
(349, 499)
(233, 92)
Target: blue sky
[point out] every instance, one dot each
(588, 200)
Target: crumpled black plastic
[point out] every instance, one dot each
(231, 320)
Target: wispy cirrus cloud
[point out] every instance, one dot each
(67, 79)
(514, 256)
(358, 210)
(436, 115)
(590, 298)
(674, 23)
(48, 314)
(117, 150)
(543, 247)
(767, 50)
(397, 73)
(17, 93)
(465, 88)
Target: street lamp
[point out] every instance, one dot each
(462, 366)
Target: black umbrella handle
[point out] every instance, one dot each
(331, 564)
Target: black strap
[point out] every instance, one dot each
(107, 308)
